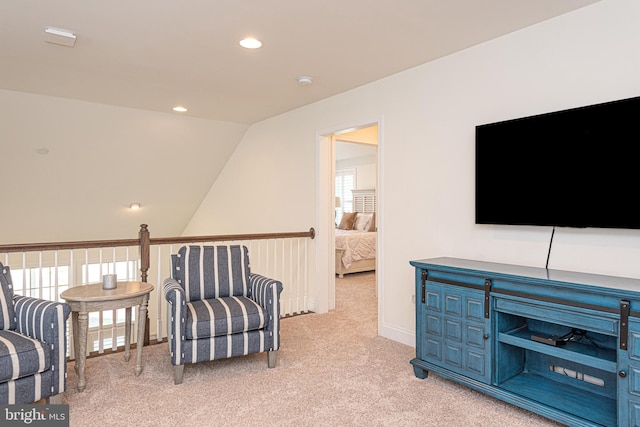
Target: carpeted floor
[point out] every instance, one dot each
(333, 370)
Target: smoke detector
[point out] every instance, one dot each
(59, 36)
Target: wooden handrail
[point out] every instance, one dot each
(144, 234)
(34, 247)
(230, 237)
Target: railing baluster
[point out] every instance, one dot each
(25, 274)
(72, 274)
(85, 275)
(53, 278)
(260, 254)
(159, 297)
(72, 269)
(287, 275)
(292, 275)
(39, 276)
(114, 313)
(306, 277)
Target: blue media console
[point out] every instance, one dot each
(562, 344)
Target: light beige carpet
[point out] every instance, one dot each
(333, 370)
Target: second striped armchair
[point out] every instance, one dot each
(218, 308)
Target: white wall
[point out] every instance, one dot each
(366, 170)
(102, 158)
(427, 152)
(366, 176)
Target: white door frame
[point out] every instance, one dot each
(325, 215)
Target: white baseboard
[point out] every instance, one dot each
(397, 334)
(391, 332)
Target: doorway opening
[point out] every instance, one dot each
(327, 212)
(355, 202)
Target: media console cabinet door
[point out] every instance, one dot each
(629, 378)
(456, 331)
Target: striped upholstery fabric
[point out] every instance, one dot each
(27, 389)
(33, 363)
(21, 356)
(7, 312)
(46, 321)
(266, 292)
(223, 316)
(218, 308)
(212, 271)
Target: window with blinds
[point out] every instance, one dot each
(345, 183)
(364, 201)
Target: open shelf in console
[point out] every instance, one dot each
(578, 352)
(590, 406)
(578, 375)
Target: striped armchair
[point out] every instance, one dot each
(218, 308)
(33, 345)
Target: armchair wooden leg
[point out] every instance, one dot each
(178, 372)
(55, 400)
(271, 358)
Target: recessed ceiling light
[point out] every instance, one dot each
(305, 80)
(135, 206)
(179, 109)
(251, 43)
(42, 150)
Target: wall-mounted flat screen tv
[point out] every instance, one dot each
(570, 168)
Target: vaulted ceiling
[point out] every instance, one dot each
(76, 160)
(155, 54)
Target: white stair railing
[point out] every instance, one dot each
(46, 270)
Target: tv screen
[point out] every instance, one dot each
(571, 168)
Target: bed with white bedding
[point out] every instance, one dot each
(355, 251)
(356, 235)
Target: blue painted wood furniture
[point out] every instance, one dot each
(562, 344)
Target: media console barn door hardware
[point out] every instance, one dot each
(487, 297)
(625, 310)
(424, 286)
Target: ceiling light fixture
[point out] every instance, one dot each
(305, 80)
(135, 206)
(250, 43)
(59, 36)
(179, 109)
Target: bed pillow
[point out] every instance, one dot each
(372, 224)
(362, 222)
(7, 312)
(348, 218)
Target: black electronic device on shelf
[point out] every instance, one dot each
(548, 340)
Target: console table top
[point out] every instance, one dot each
(95, 292)
(537, 273)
